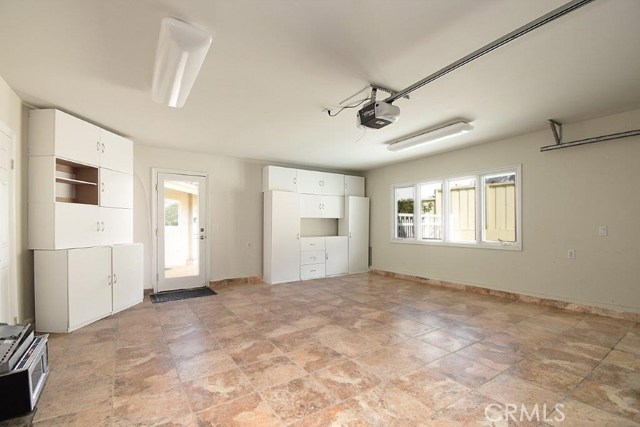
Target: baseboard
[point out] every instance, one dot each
(251, 280)
(566, 305)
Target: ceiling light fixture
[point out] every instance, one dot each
(181, 52)
(434, 134)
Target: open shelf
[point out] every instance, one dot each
(76, 183)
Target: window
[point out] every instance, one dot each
(171, 213)
(431, 211)
(478, 210)
(462, 210)
(404, 197)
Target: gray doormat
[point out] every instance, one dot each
(178, 295)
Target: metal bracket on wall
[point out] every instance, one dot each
(556, 128)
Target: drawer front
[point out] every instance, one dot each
(311, 271)
(312, 244)
(311, 257)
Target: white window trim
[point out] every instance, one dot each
(480, 208)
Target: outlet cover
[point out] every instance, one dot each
(603, 231)
(571, 254)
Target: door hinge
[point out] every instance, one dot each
(13, 164)
(156, 187)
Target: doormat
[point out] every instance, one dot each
(178, 295)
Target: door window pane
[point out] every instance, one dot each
(404, 198)
(499, 208)
(462, 210)
(431, 211)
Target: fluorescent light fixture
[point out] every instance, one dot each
(435, 134)
(181, 52)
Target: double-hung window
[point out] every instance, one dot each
(480, 210)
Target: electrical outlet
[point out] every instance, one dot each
(571, 254)
(603, 231)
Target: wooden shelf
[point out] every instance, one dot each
(73, 181)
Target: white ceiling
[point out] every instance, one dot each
(275, 64)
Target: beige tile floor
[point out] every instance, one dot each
(352, 351)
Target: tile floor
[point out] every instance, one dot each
(358, 350)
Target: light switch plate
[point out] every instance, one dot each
(603, 231)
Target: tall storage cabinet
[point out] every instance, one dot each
(80, 203)
(355, 225)
(281, 237)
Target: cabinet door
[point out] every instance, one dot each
(116, 152)
(89, 285)
(76, 225)
(76, 139)
(309, 182)
(310, 206)
(284, 236)
(332, 184)
(279, 179)
(353, 186)
(127, 275)
(337, 255)
(332, 206)
(358, 229)
(116, 189)
(116, 226)
(312, 271)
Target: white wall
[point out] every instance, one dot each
(14, 115)
(567, 194)
(235, 208)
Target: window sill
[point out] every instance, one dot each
(493, 246)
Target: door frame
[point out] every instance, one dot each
(154, 220)
(14, 315)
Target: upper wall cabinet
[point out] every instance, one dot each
(323, 183)
(116, 152)
(55, 133)
(275, 178)
(353, 186)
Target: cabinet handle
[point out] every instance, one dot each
(298, 236)
(97, 145)
(103, 187)
(326, 256)
(295, 180)
(102, 228)
(97, 225)
(103, 148)
(109, 280)
(115, 278)
(349, 234)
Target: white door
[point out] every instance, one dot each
(337, 255)
(309, 182)
(358, 223)
(126, 263)
(276, 178)
(332, 184)
(6, 305)
(332, 206)
(310, 206)
(89, 285)
(76, 139)
(116, 226)
(76, 225)
(181, 229)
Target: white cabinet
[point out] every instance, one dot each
(116, 226)
(116, 189)
(76, 226)
(72, 288)
(55, 133)
(355, 225)
(353, 186)
(116, 152)
(312, 271)
(336, 255)
(324, 183)
(78, 286)
(281, 237)
(127, 275)
(279, 179)
(314, 206)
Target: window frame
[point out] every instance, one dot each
(480, 210)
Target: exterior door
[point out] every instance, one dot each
(6, 305)
(181, 230)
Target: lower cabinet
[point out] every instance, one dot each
(76, 287)
(323, 256)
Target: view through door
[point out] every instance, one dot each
(181, 230)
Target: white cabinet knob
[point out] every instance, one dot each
(97, 225)
(102, 226)
(97, 145)
(109, 280)
(103, 148)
